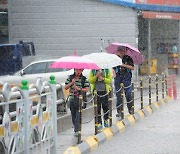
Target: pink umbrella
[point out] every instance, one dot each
(134, 53)
(75, 62)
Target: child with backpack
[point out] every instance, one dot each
(100, 81)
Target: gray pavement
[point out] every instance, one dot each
(140, 129)
(158, 133)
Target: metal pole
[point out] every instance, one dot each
(166, 84)
(157, 88)
(26, 123)
(54, 111)
(141, 92)
(110, 107)
(102, 44)
(95, 112)
(122, 98)
(149, 90)
(162, 85)
(10, 20)
(149, 47)
(80, 118)
(132, 108)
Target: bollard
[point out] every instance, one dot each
(157, 88)
(132, 108)
(162, 85)
(25, 92)
(141, 92)
(166, 85)
(174, 88)
(110, 107)
(80, 117)
(122, 98)
(170, 86)
(54, 111)
(149, 90)
(95, 112)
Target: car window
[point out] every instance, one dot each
(55, 69)
(35, 68)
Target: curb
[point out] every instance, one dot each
(92, 142)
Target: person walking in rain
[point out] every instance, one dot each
(76, 83)
(100, 81)
(123, 74)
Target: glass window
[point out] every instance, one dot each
(6, 52)
(3, 18)
(35, 68)
(55, 69)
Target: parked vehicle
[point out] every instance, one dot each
(11, 56)
(39, 69)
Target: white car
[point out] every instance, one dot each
(39, 69)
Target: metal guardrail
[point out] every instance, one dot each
(29, 117)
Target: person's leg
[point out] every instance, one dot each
(105, 106)
(99, 102)
(73, 113)
(128, 92)
(117, 83)
(76, 120)
(74, 107)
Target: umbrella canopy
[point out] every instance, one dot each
(133, 52)
(104, 60)
(75, 62)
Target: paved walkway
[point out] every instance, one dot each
(158, 133)
(67, 139)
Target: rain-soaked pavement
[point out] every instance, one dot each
(158, 133)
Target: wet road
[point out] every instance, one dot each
(158, 133)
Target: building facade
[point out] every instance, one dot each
(58, 27)
(3, 22)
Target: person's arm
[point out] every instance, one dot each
(114, 73)
(128, 66)
(85, 89)
(108, 77)
(92, 78)
(68, 84)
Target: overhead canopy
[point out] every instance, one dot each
(149, 5)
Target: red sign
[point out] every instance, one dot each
(3, 1)
(159, 2)
(161, 15)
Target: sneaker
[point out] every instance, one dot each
(131, 111)
(76, 134)
(100, 127)
(106, 124)
(118, 115)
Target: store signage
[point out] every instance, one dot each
(161, 15)
(159, 2)
(3, 1)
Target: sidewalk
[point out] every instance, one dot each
(67, 139)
